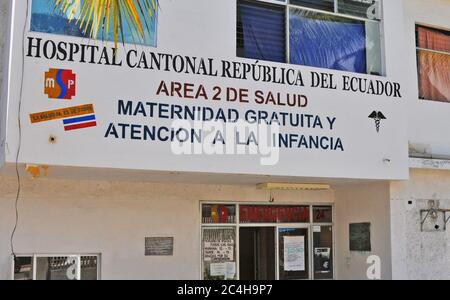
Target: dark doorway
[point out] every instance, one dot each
(257, 253)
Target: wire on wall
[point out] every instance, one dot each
(16, 203)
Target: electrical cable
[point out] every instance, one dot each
(19, 144)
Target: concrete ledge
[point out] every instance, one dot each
(427, 163)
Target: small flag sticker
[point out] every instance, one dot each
(79, 122)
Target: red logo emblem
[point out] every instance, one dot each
(60, 84)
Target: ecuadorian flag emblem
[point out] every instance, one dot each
(79, 122)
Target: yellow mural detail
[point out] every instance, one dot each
(35, 170)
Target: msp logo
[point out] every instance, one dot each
(60, 84)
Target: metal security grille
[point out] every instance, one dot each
(60, 263)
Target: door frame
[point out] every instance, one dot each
(236, 225)
(277, 248)
(264, 225)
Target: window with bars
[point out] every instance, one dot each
(333, 34)
(433, 63)
(56, 267)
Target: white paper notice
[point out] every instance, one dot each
(231, 270)
(218, 269)
(294, 253)
(218, 251)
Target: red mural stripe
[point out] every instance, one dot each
(79, 126)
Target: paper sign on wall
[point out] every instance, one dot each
(227, 269)
(159, 246)
(294, 253)
(231, 270)
(219, 251)
(218, 269)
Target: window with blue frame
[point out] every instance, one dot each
(45, 19)
(333, 34)
(327, 41)
(261, 31)
(327, 5)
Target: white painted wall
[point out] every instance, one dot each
(3, 31)
(428, 121)
(113, 218)
(66, 216)
(4, 12)
(362, 203)
(206, 29)
(416, 254)
(4, 18)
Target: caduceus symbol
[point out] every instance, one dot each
(377, 116)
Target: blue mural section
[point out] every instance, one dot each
(263, 32)
(45, 19)
(327, 41)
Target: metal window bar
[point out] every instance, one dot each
(60, 262)
(433, 51)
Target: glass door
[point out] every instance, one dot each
(293, 253)
(265, 242)
(323, 251)
(322, 235)
(257, 253)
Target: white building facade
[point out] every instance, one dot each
(238, 139)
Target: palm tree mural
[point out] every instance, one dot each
(98, 19)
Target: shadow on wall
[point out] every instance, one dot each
(3, 27)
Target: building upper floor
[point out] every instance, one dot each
(295, 88)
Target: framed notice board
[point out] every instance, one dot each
(158, 246)
(359, 234)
